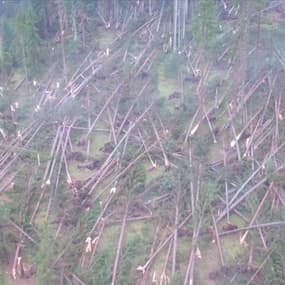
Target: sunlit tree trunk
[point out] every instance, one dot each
(74, 24)
(61, 22)
(241, 53)
(184, 17)
(179, 24)
(175, 8)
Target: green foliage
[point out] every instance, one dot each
(168, 182)
(201, 146)
(171, 65)
(3, 252)
(125, 101)
(7, 36)
(136, 179)
(273, 270)
(209, 193)
(169, 143)
(269, 170)
(130, 152)
(132, 251)
(101, 271)
(205, 25)
(277, 274)
(71, 109)
(252, 203)
(257, 5)
(7, 59)
(26, 44)
(92, 215)
(4, 211)
(3, 279)
(72, 46)
(6, 100)
(44, 255)
(177, 279)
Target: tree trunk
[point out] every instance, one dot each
(61, 22)
(74, 24)
(119, 246)
(175, 24)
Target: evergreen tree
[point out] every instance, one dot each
(44, 256)
(7, 40)
(136, 179)
(205, 24)
(27, 43)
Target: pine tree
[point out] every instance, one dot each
(7, 39)
(27, 42)
(44, 256)
(205, 23)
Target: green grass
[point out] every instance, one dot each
(4, 279)
(232, 248)
(17, 77)
(110, 237)
(183, 250)
(159, 262)
(167, 82)
(166, 86)
(143, 229)
(151, 175)
(76, 173)
(231, 244)
(207, 264)
(106, 37)
(237, 220)
(97, 142)
(210, 260)
(216, 152)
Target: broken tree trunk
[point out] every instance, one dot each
(166, 241)
(188, 279)
(141, 92)
(166, 161)
(119, 246)
(104, 107)
(218, 241)
(253, 227)
(257, 212)
(174, 247)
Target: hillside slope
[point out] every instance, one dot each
(138, 162)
